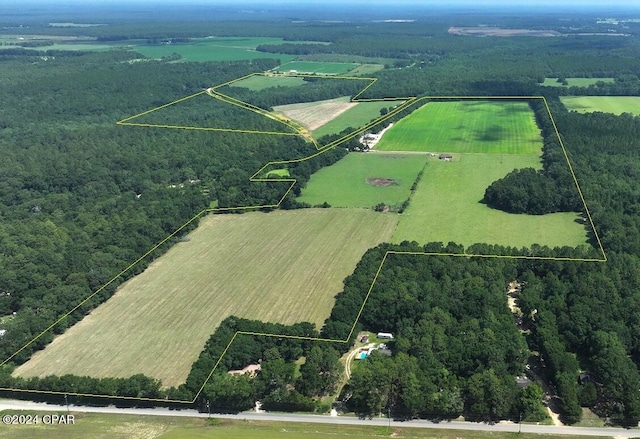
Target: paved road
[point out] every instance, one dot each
(324, 419)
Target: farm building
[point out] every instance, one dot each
(385, 335)
(445, 157)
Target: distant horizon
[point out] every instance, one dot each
(300, 4)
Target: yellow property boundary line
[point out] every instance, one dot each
(300, 131)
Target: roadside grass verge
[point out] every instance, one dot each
(118, 426)
(282, 267)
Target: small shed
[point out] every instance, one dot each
(385, 335)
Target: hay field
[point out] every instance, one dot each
(354, 117)
(446, 207)
(284, 266)
(491, 126)
(606, 104)
(313, 115)
(344, 184)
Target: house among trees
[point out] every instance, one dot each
(251, 370)
(445, 157)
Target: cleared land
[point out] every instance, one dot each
(320, 67)
(259, 82)
(446, 207)
(285, 266)
(606, 104)
(575, 82)
(117, 426)
(489, 31)
(354, 117)
(315, 114)
(214, 49)
(364, 180)
(501, 127)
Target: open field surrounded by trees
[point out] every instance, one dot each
(282, 267)
(260, 82)
(212, 49)
(365, 180)
(606, 104)
(474, 126)
(355, 117)
(574, 82)
(446, 206)
(318, 67)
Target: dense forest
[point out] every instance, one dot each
(81, 198)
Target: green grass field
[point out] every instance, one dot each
(285, 266)
(344, 184)
(574, 82)
(259, 82)
(324, 68)
(215, 49)
(499, 127)
(446, 207)
(606, 104)
(359, 115)
(117, 426)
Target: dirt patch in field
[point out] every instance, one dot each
(381, 182)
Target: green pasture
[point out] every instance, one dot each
(360, 115)
(478, 126)
(260, 82)
(575, 82)
(278, 173)
(119, 426)
(344, 184)
(446, 207)
(324, 68)
(606, 104)
(215, 49)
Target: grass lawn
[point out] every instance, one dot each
(489, 126)
(355, 117)
(606, 104)
(260, 82)
(574, 82)
(446, 207)
(116, 426)
(320, 67)
(344, 184)
(284, 266)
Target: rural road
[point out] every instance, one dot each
(618, 433)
